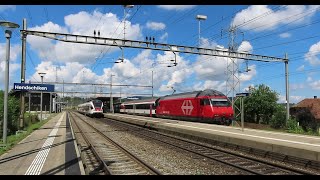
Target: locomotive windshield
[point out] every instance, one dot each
(220, 102)
(97, 103)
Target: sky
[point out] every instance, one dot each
(269, 30)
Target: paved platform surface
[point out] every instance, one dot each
(49, 150)
(302, 146)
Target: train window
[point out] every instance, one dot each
(204, 102)
(97, 103)
(220, 102)
(128, 106)
(142, 106)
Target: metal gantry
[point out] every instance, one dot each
(148, 45)
(72, 38)
(94, 84)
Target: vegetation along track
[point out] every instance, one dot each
(111, 158)
(244, 163)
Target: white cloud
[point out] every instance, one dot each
(15, 51)
(297, 86)
(205, 43)
(82, 23)
(71, 72)
(216, 85)
(164, 38)
(204, 64)
(210, 68)
(285, 35)
(173, 76)
(292, 99)
(13, 69)
(311, 56)
(53, 72)
(176, 7)
(300, 68)
(7, 7)
(309, 79)
(296, 99)
(245, 46)
(214, 69)
(262, 17)
(156, 25)
(246, 76)
(315, 85)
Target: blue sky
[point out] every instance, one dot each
(261, 29)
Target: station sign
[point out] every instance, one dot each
(134, 98)
(242, 94)
(33, 87)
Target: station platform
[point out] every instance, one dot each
(49, 150)
(293, 145)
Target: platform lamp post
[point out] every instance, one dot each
(8, 28)
(41, 100)
(200, 17)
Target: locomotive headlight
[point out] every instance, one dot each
(216, 115)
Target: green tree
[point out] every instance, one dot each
(13, 113)
(260, 105)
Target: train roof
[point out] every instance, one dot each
(206, 92)
(141, 101)
(89, 102)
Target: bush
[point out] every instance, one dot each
(30, 119)
(292, 126)
(278, 120)
(13, 113)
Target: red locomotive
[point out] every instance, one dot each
(202, 106)
(209, 106)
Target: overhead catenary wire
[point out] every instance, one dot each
(104, 52)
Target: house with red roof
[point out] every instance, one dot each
(307, 112)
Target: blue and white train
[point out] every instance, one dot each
(93, 108)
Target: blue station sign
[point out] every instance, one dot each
(33, 87)
(242, 94)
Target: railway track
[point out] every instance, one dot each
(242, 162)
(105, 156)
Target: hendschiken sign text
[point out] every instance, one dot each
(33, 87)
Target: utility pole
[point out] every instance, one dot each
(287, 87)
(23, 74)
(120, 94)
(111, 98)
(29, 102)
(152, 84)
(233, 82)
(62, 101)
(124, 19)
(41, 100)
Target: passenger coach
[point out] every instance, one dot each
(139, 107)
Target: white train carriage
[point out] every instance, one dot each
(92, 108)
(139, 107)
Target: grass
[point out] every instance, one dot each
(12, 140)
(281, 130)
